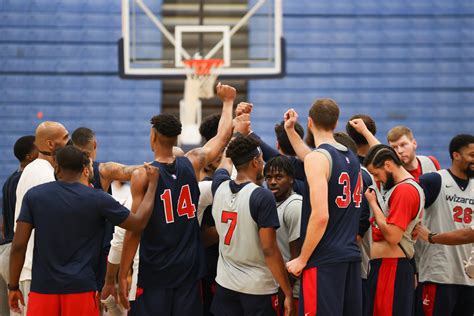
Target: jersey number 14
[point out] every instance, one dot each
(343, 201)
(185, 204)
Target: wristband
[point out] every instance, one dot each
(430, 237)
(13, 287)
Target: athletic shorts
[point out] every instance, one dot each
(77, 304)
(231, 303)
(184, 300)
(447, 299)
(390, 287)
(331, 290)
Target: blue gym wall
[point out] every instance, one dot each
(403, 62)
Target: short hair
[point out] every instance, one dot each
(309, 139)
(72, 158)
(324, 113)
(344, 139)
(380, 153)
(208, 127)
(82, 136)
(239, 147)
(166, 124)
(458, 142)
(24, 146)
(355, 135)
(284, 141)
(398, 132)
(280, 164)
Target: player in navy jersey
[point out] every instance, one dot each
(69, 218)
(330, 259)
(25, 151)
(171, 254)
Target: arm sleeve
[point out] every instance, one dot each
(263, 208)
(116, 245)
(292, 218)
(221, 175)
(364, 222)
(431, 184)
(112, 210)
(403, 205)
(267, 151)
(26, 214)
(435, 162)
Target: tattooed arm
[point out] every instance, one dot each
(110, 171)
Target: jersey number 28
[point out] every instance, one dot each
(185, 204)
(343, 201)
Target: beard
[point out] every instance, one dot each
(469, 172)
(390, 183)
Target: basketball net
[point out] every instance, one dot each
(201, 75)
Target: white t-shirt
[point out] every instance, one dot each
(37, 172)
(205, 198)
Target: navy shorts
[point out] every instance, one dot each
(231, 303)
(391, 284)
(184, 300)
(447, 299)
(331, 290)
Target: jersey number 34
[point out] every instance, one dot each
(343, 201)
(185, 204)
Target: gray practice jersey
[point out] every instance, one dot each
(241, 266)
(451, 210)
(289, 214)
(407, 243)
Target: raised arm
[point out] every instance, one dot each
(298, 144)
(360, 127)
(200, 157)
(316, 167)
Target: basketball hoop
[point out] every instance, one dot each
(201, 76)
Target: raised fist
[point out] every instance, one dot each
(359, 125)
(226, 92)
(152, 172)
(242, 124)
(290, 118)
(243, 107)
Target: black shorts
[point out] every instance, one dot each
(447, 299)
(231, 303)
(184, 300)
(390, 287)
(331, 290)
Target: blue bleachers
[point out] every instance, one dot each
(403, 62)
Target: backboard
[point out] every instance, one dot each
(159, 34)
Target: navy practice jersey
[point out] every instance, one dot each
(69, 220)
(171, 253)
(338, 243)
(9, 201)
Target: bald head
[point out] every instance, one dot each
(51, 135)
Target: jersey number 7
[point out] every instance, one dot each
(185, 204)
(343, 201)
(225, 218)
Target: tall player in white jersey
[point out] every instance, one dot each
(447, 290)
(250, 263)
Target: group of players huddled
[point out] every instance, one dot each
(331, 224)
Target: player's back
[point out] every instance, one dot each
(171, 253)
(338, 243)
(241, 266)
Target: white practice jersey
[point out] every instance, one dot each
(241, 266)
(289, 215)
(451, 210)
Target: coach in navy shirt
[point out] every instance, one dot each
(69, 219)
